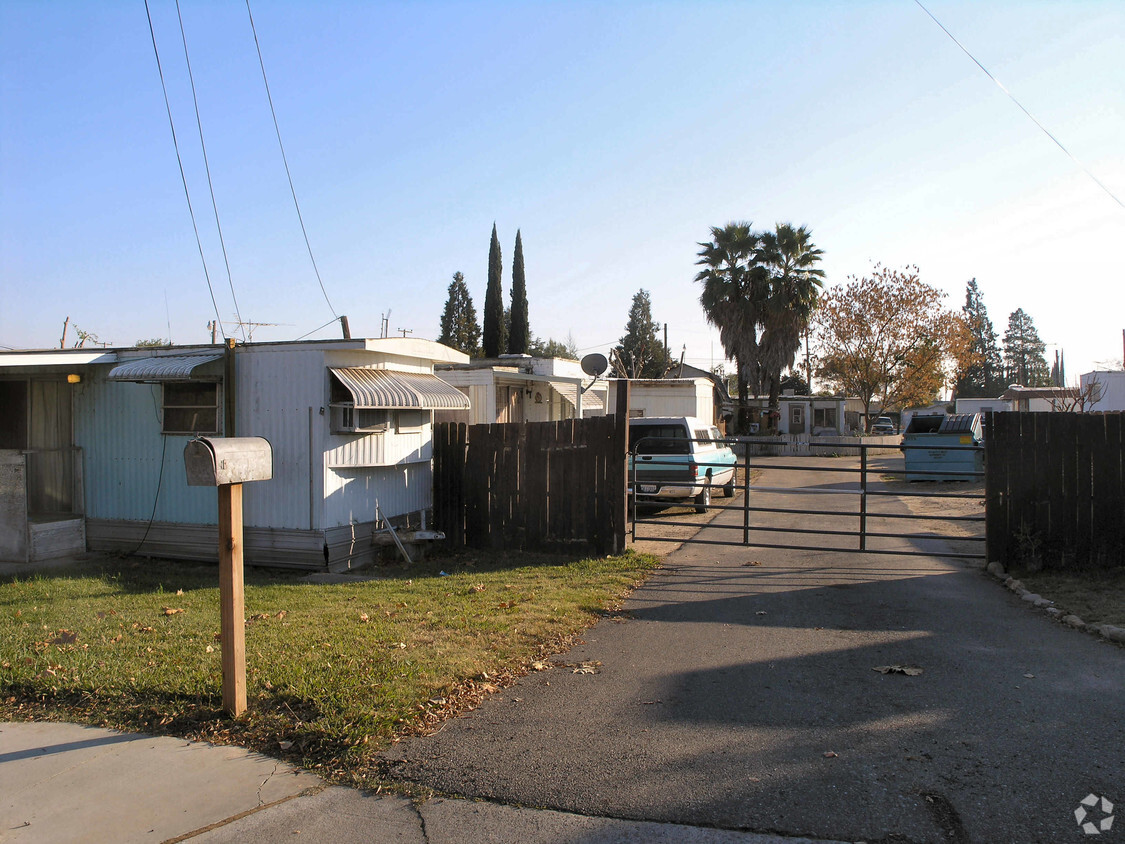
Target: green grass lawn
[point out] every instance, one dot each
(334, 672)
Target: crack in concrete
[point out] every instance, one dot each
(266, 780)
(417, 807)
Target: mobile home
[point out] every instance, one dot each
(91, 447)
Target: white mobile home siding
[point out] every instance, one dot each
(274, 390)
(669, 397)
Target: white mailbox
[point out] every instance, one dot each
(215, 461)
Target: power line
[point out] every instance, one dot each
(1000, 85)
(180, 161)
(207, 168)
(285, 161)
(303, 336)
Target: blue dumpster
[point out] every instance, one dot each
(935, 463)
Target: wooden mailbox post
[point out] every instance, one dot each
(227, 463)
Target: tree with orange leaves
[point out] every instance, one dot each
(888, 336)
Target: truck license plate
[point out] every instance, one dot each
(648, 488)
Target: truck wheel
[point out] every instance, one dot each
(728, 488)
(703, 500)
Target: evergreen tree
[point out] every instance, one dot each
(640, 353)
(459, 327)
(519, 335)
(1058, 370)
(1023, 352)
(494, 335)
(983, 377)
(551, 348)
(795, 381)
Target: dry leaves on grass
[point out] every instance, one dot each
(171, 610)
(908, 670)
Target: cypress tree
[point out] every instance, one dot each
(493, 339)
(519, 337)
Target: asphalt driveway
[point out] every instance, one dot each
(743, 696)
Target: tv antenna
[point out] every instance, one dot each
(249, 327)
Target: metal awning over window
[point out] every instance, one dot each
(166, 368)
(383, 389)
(569, 391)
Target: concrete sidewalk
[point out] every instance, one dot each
(68, 783)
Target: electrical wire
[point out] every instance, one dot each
(160, 476)
(303, 336)
(207, 168)
(180, 161)
(1000, 85)
(285, 161)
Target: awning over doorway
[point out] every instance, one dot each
(591, 401)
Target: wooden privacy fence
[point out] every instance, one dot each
(532, 485)
(1055, 489)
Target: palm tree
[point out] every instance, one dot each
(795, 283)
(735, 285)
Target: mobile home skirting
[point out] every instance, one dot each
(335, 549)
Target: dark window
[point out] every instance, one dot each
(13, 414)
(191, 408)
(411, 421)
(824, 417)
(659, 439)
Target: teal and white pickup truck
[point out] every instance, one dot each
(678, 458)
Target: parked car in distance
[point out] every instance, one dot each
(883, 425)
(678, 458)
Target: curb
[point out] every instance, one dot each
(1109, 632)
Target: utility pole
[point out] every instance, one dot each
(406, 331)
(808, 362)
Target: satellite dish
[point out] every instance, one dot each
(594, 365)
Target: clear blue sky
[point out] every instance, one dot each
(612, 134)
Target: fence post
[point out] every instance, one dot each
(862, 497)
(619, 490)
(746, 493)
